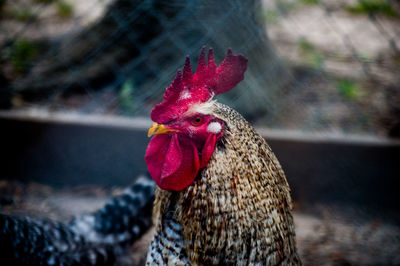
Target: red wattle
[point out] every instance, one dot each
(208, 149)
(172, 160)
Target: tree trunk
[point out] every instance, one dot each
(146, 42)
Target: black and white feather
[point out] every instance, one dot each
(100, 238)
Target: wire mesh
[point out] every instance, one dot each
(314, 65)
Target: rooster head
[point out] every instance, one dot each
(185, 131)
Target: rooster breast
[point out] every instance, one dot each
(237, 211)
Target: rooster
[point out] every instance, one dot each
(222, 199)
(222, 196)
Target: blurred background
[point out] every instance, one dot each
(78, 80)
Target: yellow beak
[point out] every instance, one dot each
(156, 129)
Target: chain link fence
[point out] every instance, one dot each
(314, 65)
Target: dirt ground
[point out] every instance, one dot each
(326, 235)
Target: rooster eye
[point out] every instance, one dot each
(197, 121)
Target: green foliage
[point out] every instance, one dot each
(286, 6)
(310, 2)
(23, 14)
(396, 58)
(311, 54)
(44, 1)
(270, 16)
(372, 7)
(64, 9)
(283, 7)
(317, 60)
(126, 96)
(305, 45)
(348, 88)
(364, 56)
(22, 53)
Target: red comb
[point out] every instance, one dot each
(209, 80)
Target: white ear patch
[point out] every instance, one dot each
(214, 127)
(185, 95)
